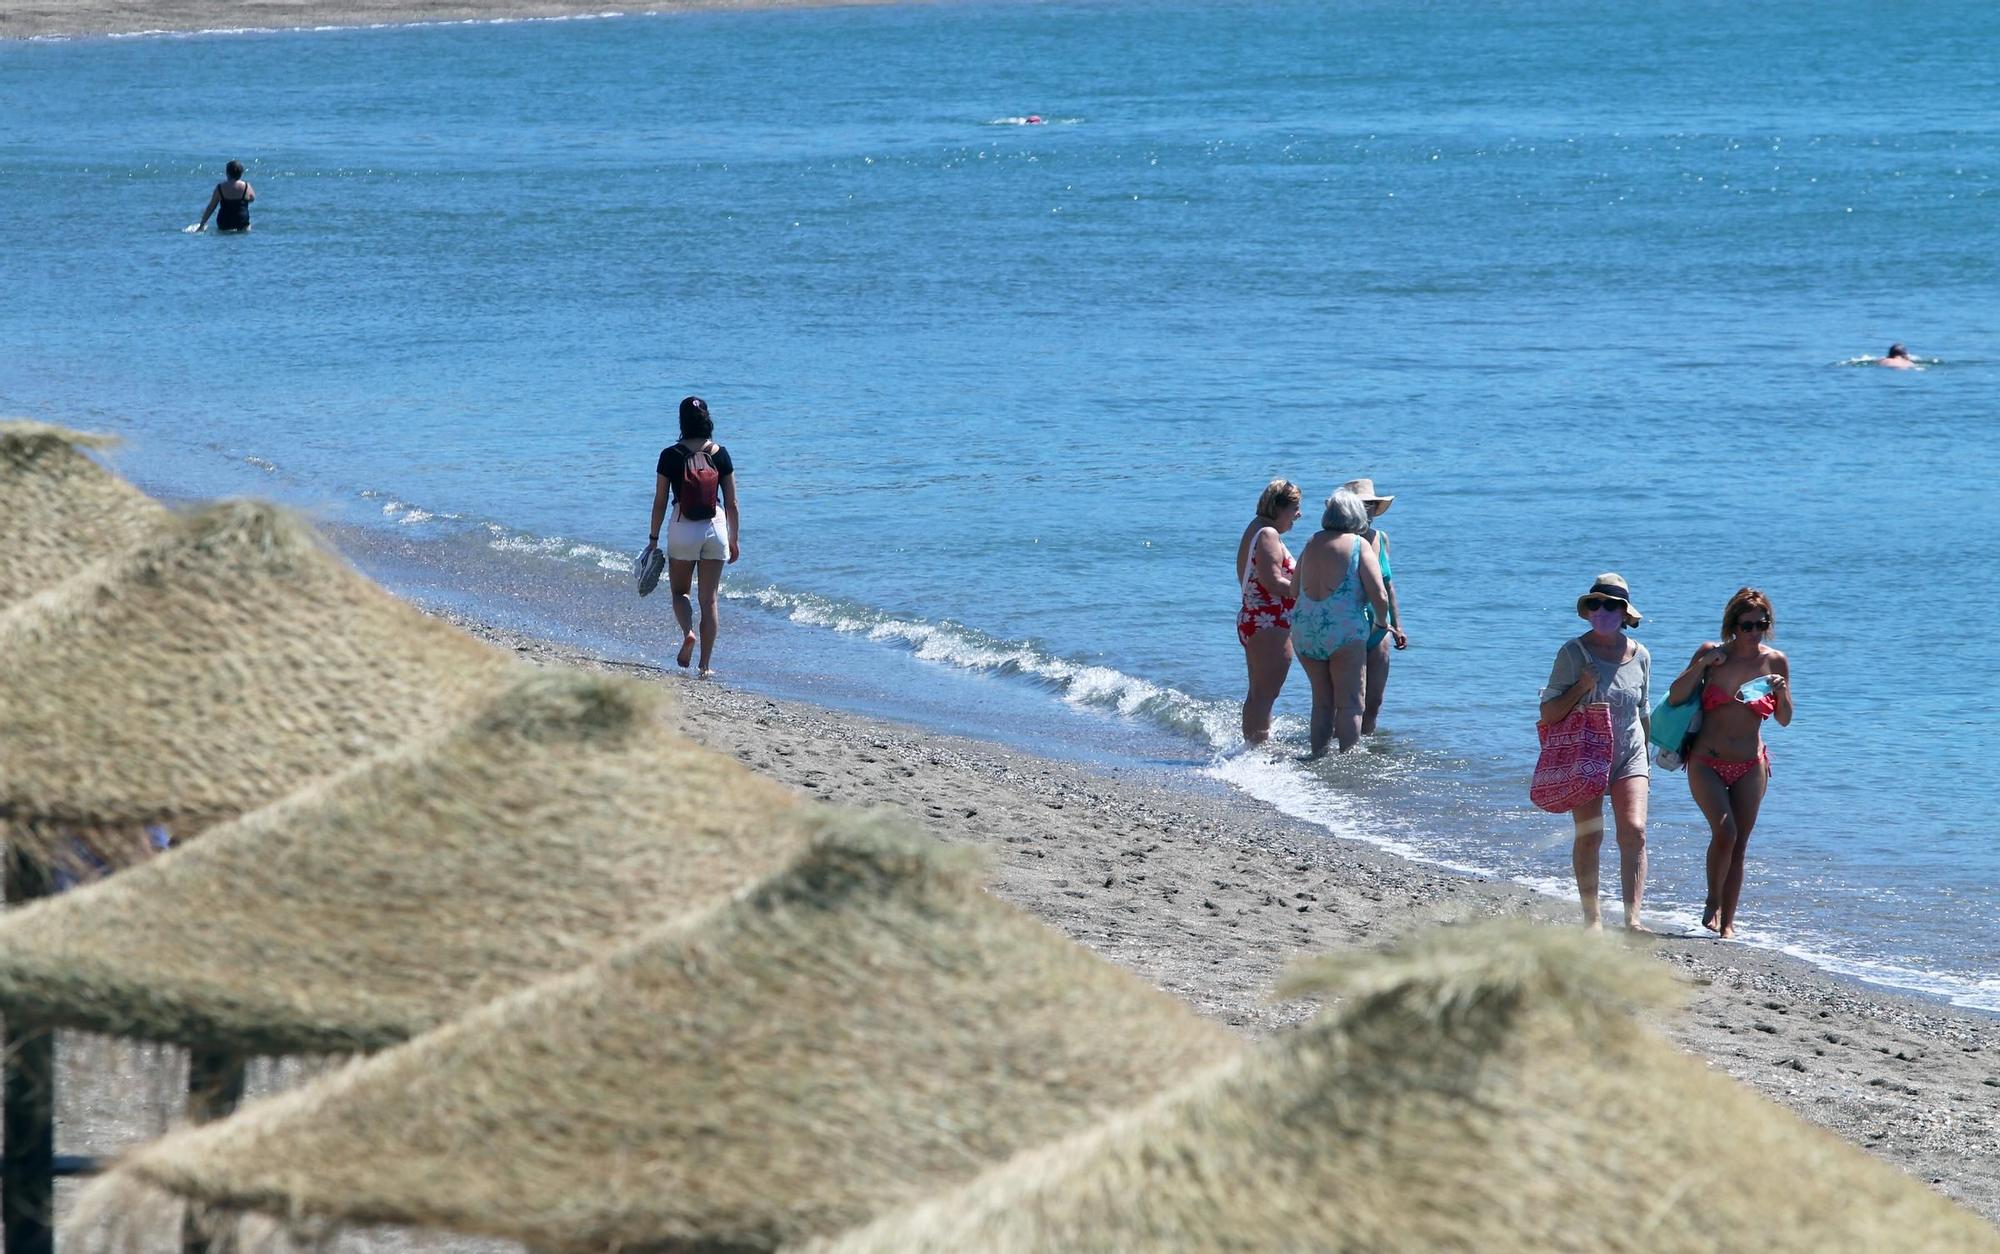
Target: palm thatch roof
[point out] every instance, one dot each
(1482, 1090)
(214, 668)
(59, 510)
(560, 820)
(858, 1030)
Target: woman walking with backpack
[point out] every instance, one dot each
(696, 478)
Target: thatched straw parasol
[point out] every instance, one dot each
(59, 510)
(216, 667)
(1482, 1090)
(563, 818)
(856, 1031)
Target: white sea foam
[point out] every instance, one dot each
(336, 26)
(1080, 684)
(408, 514)
(1280, 780)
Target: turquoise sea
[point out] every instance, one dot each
(1576, 282)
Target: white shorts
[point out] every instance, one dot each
(698, 539)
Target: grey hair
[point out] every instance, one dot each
(1344, 512)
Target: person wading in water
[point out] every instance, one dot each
(230, 203)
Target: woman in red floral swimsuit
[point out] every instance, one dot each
(1264, 623)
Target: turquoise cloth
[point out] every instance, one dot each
(1670, 722)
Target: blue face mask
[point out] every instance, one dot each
(1607, 622)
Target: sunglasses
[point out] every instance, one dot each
(1753, 624)
(1592, 605)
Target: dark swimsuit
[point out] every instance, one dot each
(231, 215)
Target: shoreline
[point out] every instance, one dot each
(1211, 897)
(57, 20)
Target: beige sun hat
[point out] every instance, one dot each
(562, 818)
(861, 1029)
(59, 510)
(1611, 586)
(229, 659)
(1479, 1090)
(1365, 489)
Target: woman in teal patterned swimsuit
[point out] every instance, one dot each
(1338, 579)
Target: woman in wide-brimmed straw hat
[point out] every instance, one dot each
(1391, 629)
(1264, 620)
(1742, 681)
(1603, 664)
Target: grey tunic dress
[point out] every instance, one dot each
(1627, 686)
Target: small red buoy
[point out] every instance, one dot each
(1034, 119)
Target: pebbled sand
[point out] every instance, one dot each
(29, 19)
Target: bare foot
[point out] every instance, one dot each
(686, 654)
(1593, 925)
(1633, 925)
(1711, 918)
(707, 672)
(1728, 931)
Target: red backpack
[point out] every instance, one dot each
(700, 483)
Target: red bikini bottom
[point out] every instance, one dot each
(1730, 772)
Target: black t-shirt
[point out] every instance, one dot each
(673, 464)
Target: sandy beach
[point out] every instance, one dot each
(1211, 895)
(32, 19)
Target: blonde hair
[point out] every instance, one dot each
(1279, 494)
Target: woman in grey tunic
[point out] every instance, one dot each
(1602, 664)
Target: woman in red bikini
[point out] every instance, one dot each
(1742, 682)
(1264, 621)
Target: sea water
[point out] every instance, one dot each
(1581, 285)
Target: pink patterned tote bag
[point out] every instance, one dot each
(1575, 765)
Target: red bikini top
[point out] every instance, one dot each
(1713, 697)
